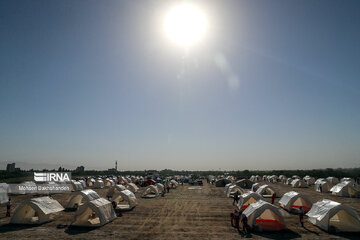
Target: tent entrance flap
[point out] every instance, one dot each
(269, 221)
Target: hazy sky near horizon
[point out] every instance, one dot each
(272, 85)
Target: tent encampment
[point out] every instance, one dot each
(79, 198)
(94, 213)
(248, 198)
(150, 192)
(334, 217)
(266, 191)
(345, 189)
(292, 201)
(263, 216)
(36, 211)
(125, 200)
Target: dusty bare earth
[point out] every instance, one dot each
(181, 214)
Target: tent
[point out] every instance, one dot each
(264, 177)
(248, 198)
(244, 183)
(325, 185)
(132, 187)
(298, 183)
(255, 187)
(266, 191)
(346, 179)
(125, 196)
(4, 193)
(309, 180)
(94, 213)
(272, 178)
(173, 183)
(76, 186)
(292, 201)
(113, 189)
(99, 184)
(222, 182)
(289, 181)
(295, 177)
(90, 182)
(233, 189)
(83, 183)
(36, 211)
(345, 189)
(160, 187)
(256, 178)
(282, 178)
(263, 216)
(150, 192)
(226, 188)
(79, 198)
(109, 183)
(332, 180)
(333, 216)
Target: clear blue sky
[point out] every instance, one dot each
(91, 82)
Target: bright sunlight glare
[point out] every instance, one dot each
(185, 24)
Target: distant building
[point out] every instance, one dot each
(10, 167)
(113, 169)
(80, 169)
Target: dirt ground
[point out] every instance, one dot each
(181, 214)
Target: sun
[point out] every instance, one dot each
(185, 25)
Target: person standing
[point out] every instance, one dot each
(273, 198)
(236, 198)
(168, 188)
(301, 216)
(244, 221)
(8, 208)
(320, 188)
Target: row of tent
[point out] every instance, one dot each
(326, 214)
(92, 210)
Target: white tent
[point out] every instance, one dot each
(174, 183)
(160, 187)
(244, 183)
(254, 178)
(292, 201)
(4, 193)
(309, 180)
(289, 181)
(248, 198)
(132, 187)
(345, 189)
(333, 216)
(282, 178)
(125, 196)
(226, 188)
(99, 184)
(266, 191)
(295, 177)
(255, 187)
(90, 182)
(109, 182)
(150, 192)
(325, 185)
(298, 183)
(272, 178)
(79, 198)
(113, 189)
(94, 213)
(346, 179)
(83, 183)
(263, 216)
(233, 189)
(332, 180)
(76, 186)
(36, 211)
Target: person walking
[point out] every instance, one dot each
(301, 216)
(168, 188)
(236, 198)
(8, 208)
(235, 218)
